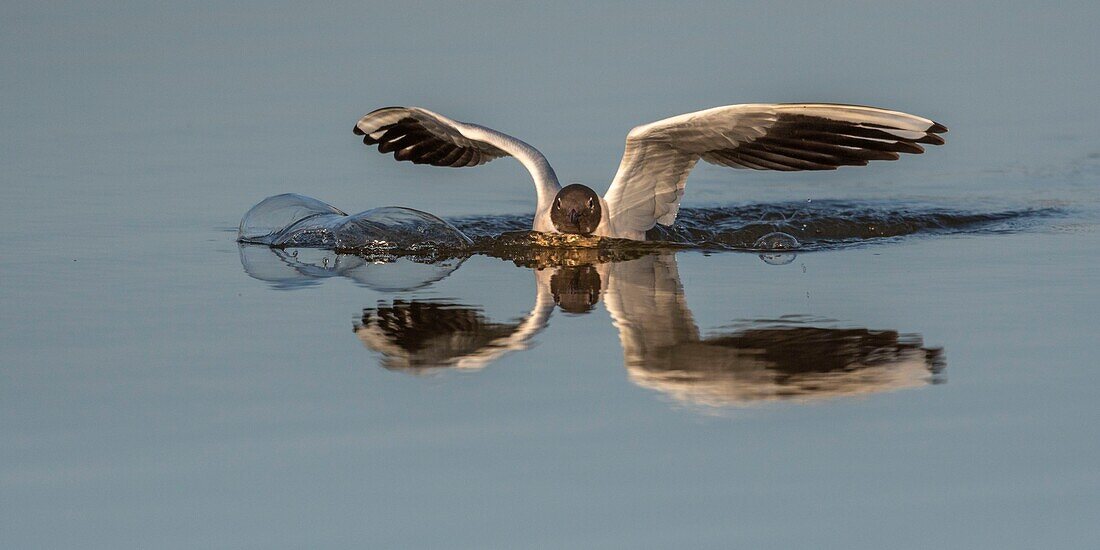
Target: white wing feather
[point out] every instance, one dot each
(421, 136)
(806, 136)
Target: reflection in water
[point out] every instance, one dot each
(576, 289)
(301, 267)
(419, 336)
(786, 363)
(773, 258)
(766, 361)
(791, 359)
(762, 361)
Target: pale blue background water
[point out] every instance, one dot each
(154, 395)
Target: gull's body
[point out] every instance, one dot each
(650, 182)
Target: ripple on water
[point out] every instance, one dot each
(291, 220)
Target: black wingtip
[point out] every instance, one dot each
(906, 147)
(931, 139)
(357, 131)
(937, 128)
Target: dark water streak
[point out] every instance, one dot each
(818, 225)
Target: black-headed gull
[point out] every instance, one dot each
(659, 156)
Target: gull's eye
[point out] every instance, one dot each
(591, 203)
(558, 202)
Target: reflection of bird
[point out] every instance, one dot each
(417, 335)
(652, 174)
(305, 267)
(663, 349)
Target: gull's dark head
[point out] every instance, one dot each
(576, 210)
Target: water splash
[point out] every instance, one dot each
(286, 221)
(286, 269)
(823, 225)
(290, 220)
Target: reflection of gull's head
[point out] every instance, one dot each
(787, 363)
(576, 289)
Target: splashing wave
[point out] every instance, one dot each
(291, 220)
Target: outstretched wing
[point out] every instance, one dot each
(786, 136)
(423, 137)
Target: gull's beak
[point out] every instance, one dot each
(574, 216)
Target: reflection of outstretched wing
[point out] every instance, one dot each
(789, 363)
(647, 305)
(765, 362)
(418, 336)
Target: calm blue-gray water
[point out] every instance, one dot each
(927, 381)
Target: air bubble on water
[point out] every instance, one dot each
(773, 217)
(297, 221)
(776, 241)
(778, 259)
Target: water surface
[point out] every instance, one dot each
(919, 373)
